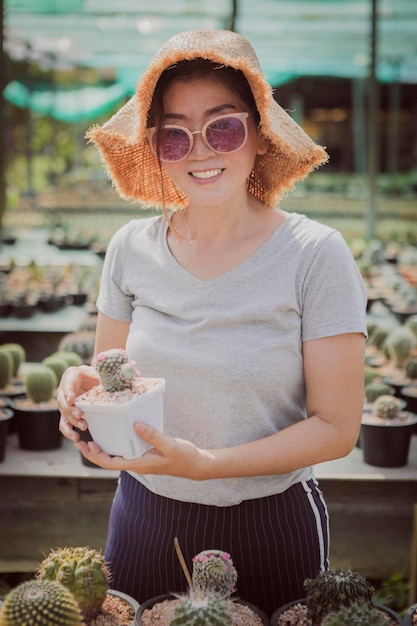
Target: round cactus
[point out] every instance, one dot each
(81, 342)
(374, 390)
(332, 589)
(41, 383)
(115, 370)
(6, 368)
(387, 407)
(370, 375)
(214, 572)
(411, 368)
(40, 603)
(57, 365)
(202, 610)
(83, 571)
(71, 358)
(377, 337)
(400, 343)
(355, 615)
(18, 355)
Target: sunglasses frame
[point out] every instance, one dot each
(242, 117)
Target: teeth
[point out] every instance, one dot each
(207, 174)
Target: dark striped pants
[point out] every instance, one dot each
(275, 542)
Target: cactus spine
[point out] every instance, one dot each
(355, 615)
(83, 571)
(332, 589)
(387, 407)
(115, 371)
(40, 383)
(40, 603)
(201, 610)
(214, 572)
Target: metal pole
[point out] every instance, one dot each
(373, 126)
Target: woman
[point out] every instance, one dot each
(254, 317)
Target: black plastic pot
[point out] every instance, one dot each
(152, 601)
(386, 446)
(408, 616)
(5, 417)
(37, 429)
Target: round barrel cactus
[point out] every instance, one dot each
(115, 370)
(202, 610)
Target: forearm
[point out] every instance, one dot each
(306, 443)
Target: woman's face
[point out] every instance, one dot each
(207, 177)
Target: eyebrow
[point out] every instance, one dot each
(213, 111)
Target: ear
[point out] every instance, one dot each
(263, 143)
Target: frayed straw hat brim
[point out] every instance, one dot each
(133, 167)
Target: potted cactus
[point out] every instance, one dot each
(386, 433)
(40, 603)
(9, 387)
(84, 573)
(37, 414)
(399, 346)
(122, 398)
(209, 600)
(334, 595)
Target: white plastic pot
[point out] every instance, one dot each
(111, 425)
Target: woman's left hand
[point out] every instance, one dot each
(168, 455)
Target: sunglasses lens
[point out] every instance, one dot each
(226, 134)
(174, 144)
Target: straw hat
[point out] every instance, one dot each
(134, 168)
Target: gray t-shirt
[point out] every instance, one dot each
(230, 349)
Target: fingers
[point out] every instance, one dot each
(74, 382)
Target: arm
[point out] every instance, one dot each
(334, 383)
(110, 333)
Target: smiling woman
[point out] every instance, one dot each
(223, 296)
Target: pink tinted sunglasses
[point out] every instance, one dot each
(222, 134)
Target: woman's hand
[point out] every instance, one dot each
(74, 382)
(168, 455)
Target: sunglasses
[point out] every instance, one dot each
(222, 134)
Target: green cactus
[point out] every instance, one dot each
(6, 368)
(355, 615)
(115, 371)
(81, 342)
(41, 383)
(332, 589)
(378, 337)
(57, 365)
(411, 368)
(40, 603)
(374, 390)
(214, 572)
(71, 358)
(370, 375)
(387, 407)
(83, 571)
(18, 355)
(411, 323)
(400, 344)
(202, 610)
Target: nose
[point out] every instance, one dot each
(199, 148)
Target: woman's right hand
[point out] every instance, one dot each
(74, 382)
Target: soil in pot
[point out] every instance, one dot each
(159, 612)
(37, 425)
(118, 609)
(295, 614)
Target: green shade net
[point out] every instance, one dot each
(70, 106)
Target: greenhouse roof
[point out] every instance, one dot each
(291, 37)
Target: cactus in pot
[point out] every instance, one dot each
(374, 390)
(399, 345)
(40, 603)
(41, 383)
(115, 370)
(18, 356)
(6, 368)
(387, 407)
(355, 615)
(57, 364)
(333, 589)
(83, 572)
(214, 572)
(201, 610)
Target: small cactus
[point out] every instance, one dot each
(202, 610)
(81, 342)
(57, 365)
(378, 337)
(332, 589)
(387, 407)
(41, 383)
(72, 358)
(374, 390)
(83, 571)
(214, 572)
(355, 615)
(18, 355)
(6, 368)
(400, 344)
(411, 368)
(370, 375)
(40, 603)
(115, 370)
